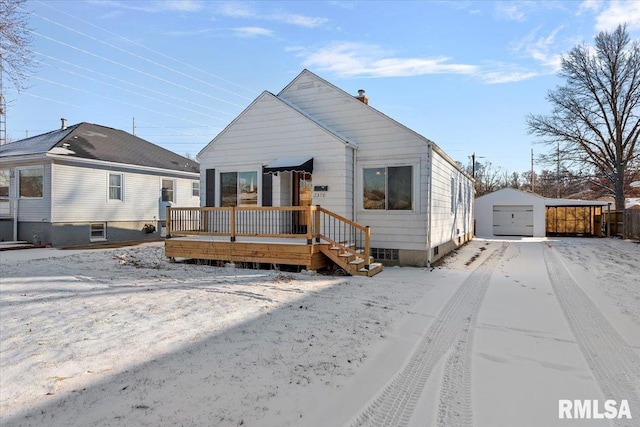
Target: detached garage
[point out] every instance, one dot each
(511, 212)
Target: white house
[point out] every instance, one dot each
(313, 143)
(88, 183)
(511, 212)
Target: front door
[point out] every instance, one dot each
(301, 197)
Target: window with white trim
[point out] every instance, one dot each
(5, 180)
(195, 188)
(239, 189)
(116, 181)
(168, 193)
(388, 188)
(31, 183)
(98, 231)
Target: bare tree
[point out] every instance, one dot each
(595, 116)
(489, 178)
(15, 39)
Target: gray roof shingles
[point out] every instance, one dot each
(90, 141)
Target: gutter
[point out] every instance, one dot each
(123, 165)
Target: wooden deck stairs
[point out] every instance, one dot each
(352, 261)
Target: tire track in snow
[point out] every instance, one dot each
(615, 366)
(451, 332)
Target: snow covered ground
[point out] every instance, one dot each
(495, 336)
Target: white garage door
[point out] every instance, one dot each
(514, 220)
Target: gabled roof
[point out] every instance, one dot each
(360, 104)
(95, 142)
(548, 201)
(290, 106)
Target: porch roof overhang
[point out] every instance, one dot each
(290, 164)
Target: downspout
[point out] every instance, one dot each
(429, 207)
(354, 216)
(15, 219)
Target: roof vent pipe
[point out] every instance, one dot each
(64, 123)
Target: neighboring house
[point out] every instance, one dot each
(511, 212)
(315, 144)
(88, 183)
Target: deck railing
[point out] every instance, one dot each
(310, 222)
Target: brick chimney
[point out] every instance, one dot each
(361, 96)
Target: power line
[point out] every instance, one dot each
(117, 100)
(141, 94)
(157, 53)
(131, 84)
(134, 69)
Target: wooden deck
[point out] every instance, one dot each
(295, 252)
(271, 236)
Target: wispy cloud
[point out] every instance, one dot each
(542, 49)
(243, 10)
(348, 59)
(249, 32)
(236, 10)
(510, 11)
(611, 14)
(182, 5)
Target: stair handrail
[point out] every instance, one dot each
(322, 234)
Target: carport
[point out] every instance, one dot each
(566, 217)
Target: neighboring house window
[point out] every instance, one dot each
(5, 179)
(389, 188)
(239, 189)
(168, 194)
(115, 186)
(31, 182)
(98, 231)
(195, 188)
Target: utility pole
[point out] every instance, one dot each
(3, 111)
(473, 165)
(533, 180)
(558, 173)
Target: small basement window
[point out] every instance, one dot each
(382, 254)
(98, 231)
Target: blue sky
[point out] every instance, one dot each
(464, 74)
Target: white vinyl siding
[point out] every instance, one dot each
(269, 130)
(76, 198)
(451, 204)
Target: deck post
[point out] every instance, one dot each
(204, 220)
(167, 222)
(309, 225)
(317, 224)
(367, 249)
(232, 223)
